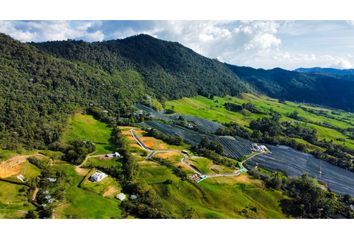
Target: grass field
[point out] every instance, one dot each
(81, 203)
(14, 202)
(212, 198)
(207, 166)
(214, 110)
(98, 162)
(85, 127)
(29, 170)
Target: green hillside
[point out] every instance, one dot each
(332, 128)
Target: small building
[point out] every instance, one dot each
(258, 148)
(121, 196)
(113, 155)
(21, 178)
(97, 176)
(133, 197)
(52, 180)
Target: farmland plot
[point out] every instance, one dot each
(203, 125)
(233, 147)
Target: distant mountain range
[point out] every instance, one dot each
(323, 89)
(326, 71)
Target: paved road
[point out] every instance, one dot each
(34, 195)
(141, 144)
(184, 161)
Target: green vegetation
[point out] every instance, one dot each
(86, 128)
(175, 196)
(169, 69)
(39, 91)
(206, 166)
(14, 201)
(211, 199)
(99, 187)
(81, 203)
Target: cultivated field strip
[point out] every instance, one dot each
(203, 125)
(234, 148)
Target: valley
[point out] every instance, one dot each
(145, 128)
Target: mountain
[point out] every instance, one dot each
(41, 84)
(169, 69)
(39, 91)
(327, 71)
(332, 91)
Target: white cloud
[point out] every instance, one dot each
(37, 31)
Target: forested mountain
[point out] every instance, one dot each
(170, 70)
(38, 91)
(333, 91)
(40, 84)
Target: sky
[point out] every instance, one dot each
(260, 44)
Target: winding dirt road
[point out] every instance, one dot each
(183, 160)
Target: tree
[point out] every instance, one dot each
(31, 215)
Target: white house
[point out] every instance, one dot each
(258, 148)
(113, 155)
(121, 196)
(50, 179)
(97, 176)
(21, 178)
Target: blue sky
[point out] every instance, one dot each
(265, 44)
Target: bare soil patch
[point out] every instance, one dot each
(13, 166)
(111, 191)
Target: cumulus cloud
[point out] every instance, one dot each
(38, 31)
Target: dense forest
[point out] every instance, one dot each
(38, 91)
(170, 70)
